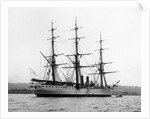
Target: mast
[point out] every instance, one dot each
(51, 60)
(101, 65)
(53, 57)
(77, 62)
(53, 53)
(101, 62)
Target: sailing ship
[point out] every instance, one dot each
(80, 88)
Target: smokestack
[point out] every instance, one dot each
(82, 80)
(87, 79)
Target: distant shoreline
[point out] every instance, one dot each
(26, 91)
(19, 91)
(22, 88)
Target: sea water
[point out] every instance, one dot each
(31, 103)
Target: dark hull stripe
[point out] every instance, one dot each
(72, 95)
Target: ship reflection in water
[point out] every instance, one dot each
(30, 103)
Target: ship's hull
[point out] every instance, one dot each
(72, 95)
(68, 91)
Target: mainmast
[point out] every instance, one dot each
(77, 62)
(53, 60)
(101, 70)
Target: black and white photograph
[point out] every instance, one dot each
(74, 58)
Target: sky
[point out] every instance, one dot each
(120, 27)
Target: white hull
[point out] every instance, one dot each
(68, 91)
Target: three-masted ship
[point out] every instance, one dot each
(80, 88)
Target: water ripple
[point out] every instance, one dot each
(31, 103)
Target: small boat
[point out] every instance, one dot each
(119, 95)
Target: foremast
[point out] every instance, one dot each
(52, 59)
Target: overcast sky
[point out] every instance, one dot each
(28, 31)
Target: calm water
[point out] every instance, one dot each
(31, 103)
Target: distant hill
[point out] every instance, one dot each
(125, 90)
(17, 86)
